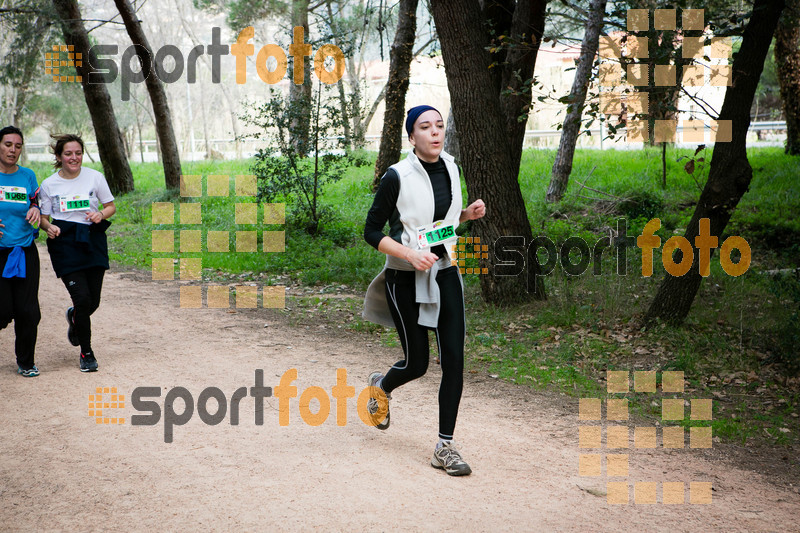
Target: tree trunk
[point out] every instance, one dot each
(28, 61)
(205, 122)
(348, 136)
(396, 88)
(562, 167)
(787, 57)
(730, 172)
(343, 99)
(300, 95)
(663, 48)
(109, 138)
(353, 68)
(139, 130)
(491, 102)
(451, 138)
(171, 159)
(229, 100)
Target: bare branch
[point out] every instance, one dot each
(17, 11)
(581, 11)
(699, 101)
(421, 48)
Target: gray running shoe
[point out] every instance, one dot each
(374, 405)
(447, 458)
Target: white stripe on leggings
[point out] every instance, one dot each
(402, 323)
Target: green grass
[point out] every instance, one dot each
(742, 332)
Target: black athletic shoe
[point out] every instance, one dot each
(29, 373)
(378, 406)
(73, 340)
(88, 362)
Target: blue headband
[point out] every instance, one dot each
(414, 113)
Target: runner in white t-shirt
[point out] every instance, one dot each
(79, 202)
(74, 198)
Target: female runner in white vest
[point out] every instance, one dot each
(419, 290)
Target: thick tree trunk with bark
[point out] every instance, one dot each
(562, 167)
(787, 57)
(109, 138)
(730, 174)
(491, 102)
(396, 88)
(171, 159)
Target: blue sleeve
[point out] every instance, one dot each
(33, 188)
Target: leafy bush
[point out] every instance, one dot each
(297, 166)
(642, 203)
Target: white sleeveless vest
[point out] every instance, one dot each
(415, 205)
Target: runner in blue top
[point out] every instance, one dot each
(19, 259)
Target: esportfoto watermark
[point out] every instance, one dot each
(513, 255)
(271, 61)
(180, 405)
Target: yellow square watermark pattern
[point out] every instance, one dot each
(673, 437)
(62, 57)
(163, 269)
(618, 437)
(163, 213)
(672, 493)
(246, 297)
(104, 399)
(590, 409)
(644, 381)
(617, 409)
(608, 457)
(590, 465)
(190, 268)
(466, 254)
(624, 75)
(189, 238)
(246, 213)
(191, 213)
(645, 492)
(617, 465)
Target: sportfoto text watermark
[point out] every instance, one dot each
(271, 61)
(512, 254)
(180, 405)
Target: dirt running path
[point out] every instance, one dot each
(59, 470)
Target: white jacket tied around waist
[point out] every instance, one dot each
(415, 205)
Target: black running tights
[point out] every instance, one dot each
(19, 301)
(84, 288)
(401, 295)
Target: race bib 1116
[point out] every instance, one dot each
(74, 202)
